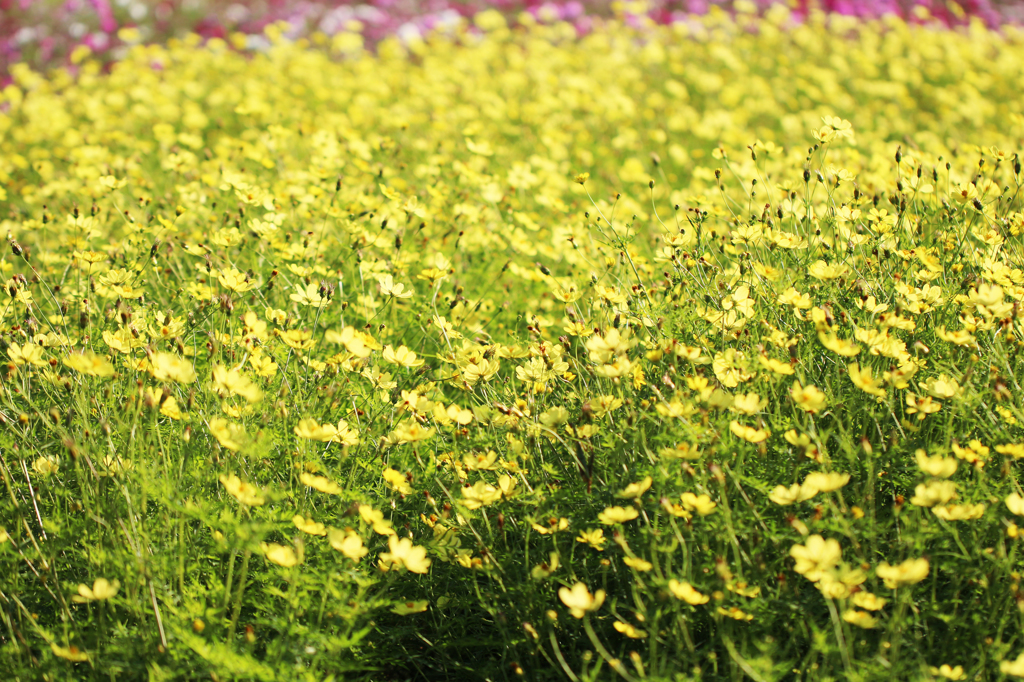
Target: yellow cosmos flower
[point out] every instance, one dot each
(595, 538)
(910, 572)
(804, 442)
(922, 405)
(46, 465)
(748, 433)
(938, 467)
(943, 387)
(279, 554)
(960, 338)
(356, 342)
(388, 287)
(614, 342)
(743, 589)
(309, 525)
(775, 366)
(123, 341)
(481, 461)
(403, 553)
(230, 435)
(235, 281)
(263, 365)
(827, 271)
(402, 356)
(348, 543)
(169, 367)
(298, 339)
(730, 368)
(676, 408)
(701, 504)
(29, 354)
(397, 481)
(783, 496)
(861, 619)
(579, 599)
(326, 433)
(1015, 503)
(507, 485)
(228, 382)
(684, 591)
(452, 413)
(101, 590)
(735, 613)
(950, 673)
(1015, 450)
(635, 490)
(409, 431)
(310, 295)
(376, 519)
(1014, 667)
(680, 451)
(324, 485)
(959, 512)
(116, 465)
(169, 408)
(807, 398)
(676, 509)
(871, 602)
(826, 482)
(794, 298)
(628, 630)
(90, 364)
(974, 452)
(480, 494)
(863, 379)
(613, 515)
(243, 492)
(816, 557)
(620, 367)
(309, 429)
(748, 404)
(933, 493)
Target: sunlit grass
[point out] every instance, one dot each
(662, 353)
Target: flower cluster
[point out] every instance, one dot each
(655, 348)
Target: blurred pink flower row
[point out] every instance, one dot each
(43, 33)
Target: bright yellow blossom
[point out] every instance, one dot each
(579, 599)
(807, 398)
(101, 590)
(243, 492)
(90, 363)
(684, 591)
(348, 543)
(279, 554)
(910, 572)
(320, 483)
(309, 525)
(403, 553)
(614, 515)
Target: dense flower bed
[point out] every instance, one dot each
(45, 33)
(664, 352)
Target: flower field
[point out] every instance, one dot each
(664, 351)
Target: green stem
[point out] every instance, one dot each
(238, 599)
(613, 662)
